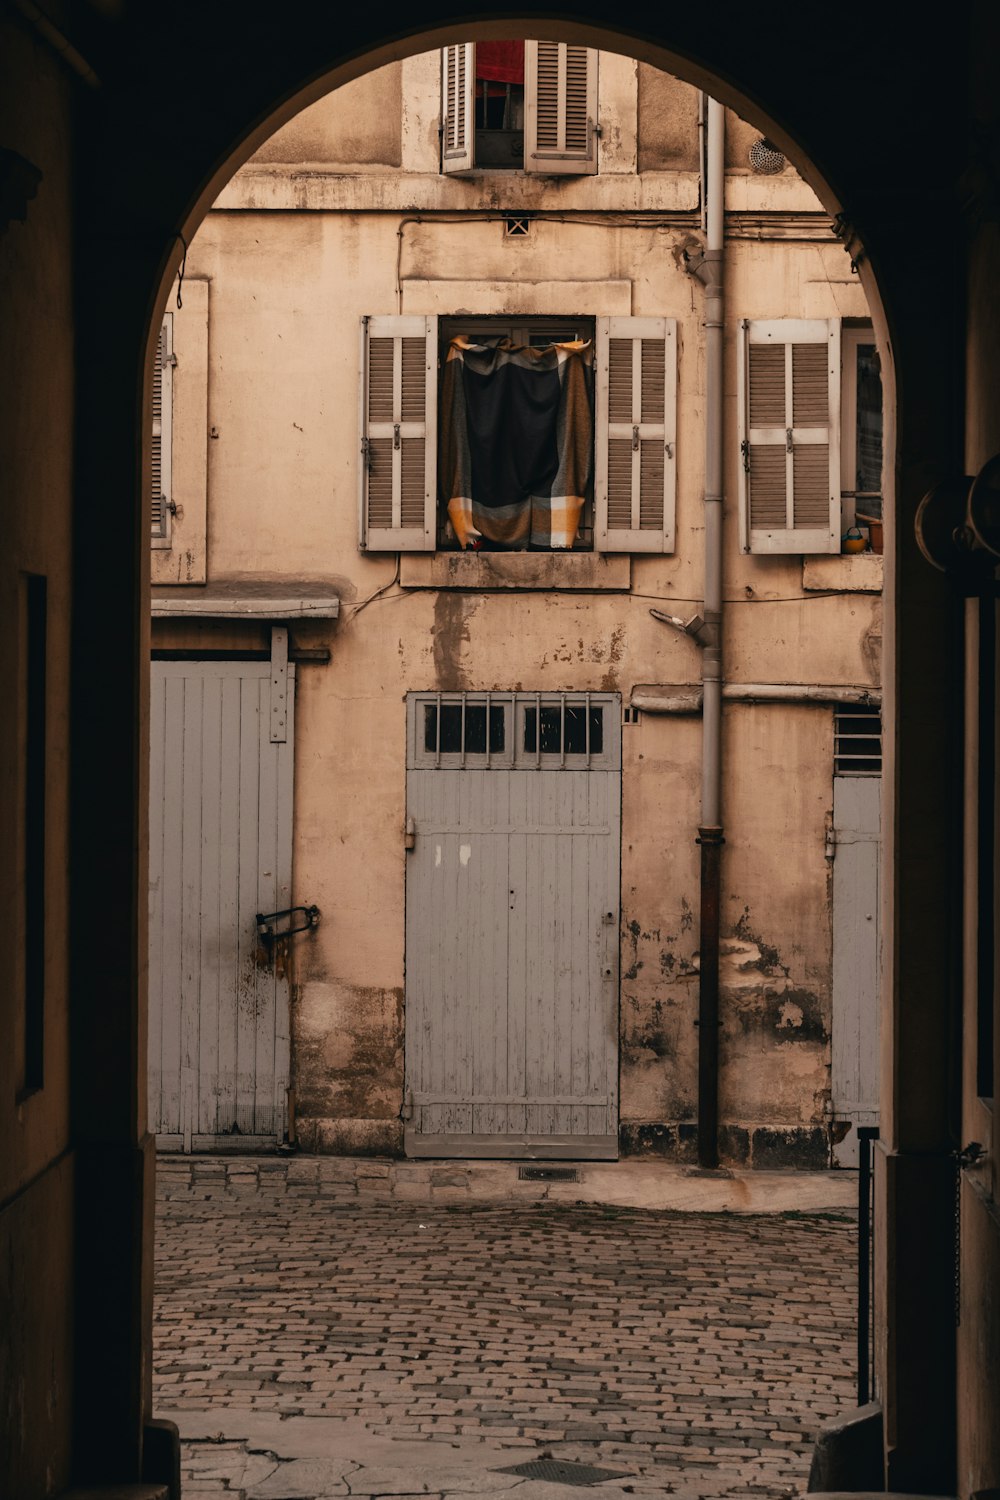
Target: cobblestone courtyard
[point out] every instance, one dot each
(695, 1353)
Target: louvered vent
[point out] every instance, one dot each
(380, 380)
(456, 82)
(380, 482)
(653, 380)
(548, 96)
(810, 480)
(577, 122)
(767, 385)
(158, 511)
(651, 458)
(620, 380)
(767, 487)
(857, 742)
(810, 389)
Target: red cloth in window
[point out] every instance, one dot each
(500, 62)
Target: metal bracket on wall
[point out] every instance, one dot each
(279, 684)
(269, 924)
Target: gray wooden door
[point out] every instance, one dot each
(856, 959)
(512, 911)
(220, 850)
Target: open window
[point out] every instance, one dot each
(528, 106)
(789, 400)
(434, 472)
(861, 428)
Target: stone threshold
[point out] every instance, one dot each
(661, 1186)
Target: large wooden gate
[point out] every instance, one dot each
(220, 850)
(512, 903)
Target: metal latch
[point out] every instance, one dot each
(788, 440)
(970, 1154)
(270, 924)
(395, 435)
(635, 439)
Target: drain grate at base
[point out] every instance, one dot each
(548, 1174)
(563, 1472)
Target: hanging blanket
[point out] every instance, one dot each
(517, 441)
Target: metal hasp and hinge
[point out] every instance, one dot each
(410, 835)
(969, 1156)
(270, 928)
(406, 1110)
(279, 684)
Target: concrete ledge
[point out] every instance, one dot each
(851, 573)
(587, 571)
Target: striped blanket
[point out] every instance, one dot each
(516, 442)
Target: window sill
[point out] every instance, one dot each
(587, 571)
(849, 573)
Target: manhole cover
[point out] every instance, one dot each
(563, 1472)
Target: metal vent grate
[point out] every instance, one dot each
(857, 742)
(563, 1472)
(548, 1174)
(765, 159)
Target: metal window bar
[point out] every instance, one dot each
(462, 734)
(538, 729)
(437, 743)
(562, 732)
(858, 743)
(586, 712)
(866, 1257)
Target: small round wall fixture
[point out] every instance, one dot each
(765, 158)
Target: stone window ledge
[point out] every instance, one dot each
(586, 571)
(857, 573)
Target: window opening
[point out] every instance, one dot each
(499, 105)
(862, 430)
(516, 482)
(857, 742)
(566, 729)
(464, 728)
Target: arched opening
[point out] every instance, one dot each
(356, 1038)
(119, 228)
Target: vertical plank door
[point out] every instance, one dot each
(512, 914)
(220, 850)
(856, 958)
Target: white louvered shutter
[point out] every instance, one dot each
(635, 433)
(162, 449)
(790, 435)
(399, 434)
(560, 107)
(458, 100)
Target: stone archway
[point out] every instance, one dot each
(144, 177)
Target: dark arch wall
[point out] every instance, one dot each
(135, 128)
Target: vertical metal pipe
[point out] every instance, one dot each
(710, 836)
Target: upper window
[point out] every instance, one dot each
(515, 434)
(810, 399)
(528, 106)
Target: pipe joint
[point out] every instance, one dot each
(711, 835)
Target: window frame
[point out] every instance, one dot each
(852, 335)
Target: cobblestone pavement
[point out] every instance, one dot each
(694, 1354)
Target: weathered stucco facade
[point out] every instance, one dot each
(345, 214)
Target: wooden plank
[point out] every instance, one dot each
(285, 754)
(247, 973)
(856, 958)
(206, 1122)
(267, 960)
(190, 837)
(171, 885)
(229, 902)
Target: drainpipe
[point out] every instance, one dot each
(709, 270)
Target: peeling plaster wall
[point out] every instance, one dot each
(287, 292)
